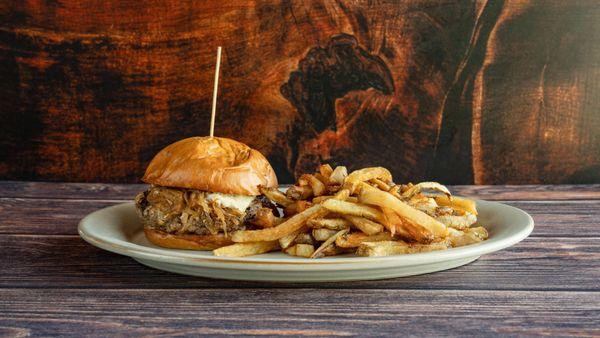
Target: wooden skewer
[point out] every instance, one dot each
(214, 101)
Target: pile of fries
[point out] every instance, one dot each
(332, 212)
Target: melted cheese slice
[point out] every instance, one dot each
(239, 202)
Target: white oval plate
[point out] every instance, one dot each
(118, 229)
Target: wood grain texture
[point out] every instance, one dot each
(550, 264)
(459, 91)
(305, 312)
(61, 216)
(125, 192)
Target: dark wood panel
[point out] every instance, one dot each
(69, 262)
(459, 91)
(298, 312)
(107, 191)
(61, 216)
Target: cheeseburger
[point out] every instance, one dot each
(203, 189)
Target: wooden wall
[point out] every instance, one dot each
(484, 92)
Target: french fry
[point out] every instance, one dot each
(458, 222)
(328, 242)
(355, 209)
(288, 240)
(304, 238)
(264, 218)
(365, 225)
(395, 224)
(296, 207)
(374, 196)
(276, 196)
(300, 250)
(318, 188)
(353, 180)
(338, 175)
(326, 170)
(298, 192)
(320, 199)
(353, 240)
(458, 238)
(322, 178)
(417, 188)
(292, 224)
(323, 234)
(246, 249)
(329, 223)
(333, 250)
(459, 203)
(395, 190)
(389, 248)
(380, 184)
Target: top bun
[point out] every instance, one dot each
(214, 164)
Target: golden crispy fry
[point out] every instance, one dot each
(300, 250)
(276, 196)
(334, 250)
(417, 188)
(326, 170)
(265, 219)
(374, 196)
(342, 195)
(329, 223)
(459, 203)
(468, 236)
(292, 224)
(353, 240)
(304, 238)
(395, 190)
(355, 209)
(328, 242)
(323, 234)
(395, 224)
(338, 175)
(380, 184)
(298, 192)
(296, 207)
(318, 188)
(320, 199)
(353, 180)
(389, 248)
(365, 225)
(288, 240)
(322, 178)
(458, 222)
(246, 249)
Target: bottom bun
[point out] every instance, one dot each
(187, 241)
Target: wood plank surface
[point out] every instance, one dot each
(61, 216)
(69, 262)
(108, 191)
(307, 312)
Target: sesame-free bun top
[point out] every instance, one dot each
(214, 164)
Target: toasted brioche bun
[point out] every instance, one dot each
(187, 241)
(211, 164)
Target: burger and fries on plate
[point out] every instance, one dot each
(211, 193)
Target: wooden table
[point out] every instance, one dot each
(52, 282)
